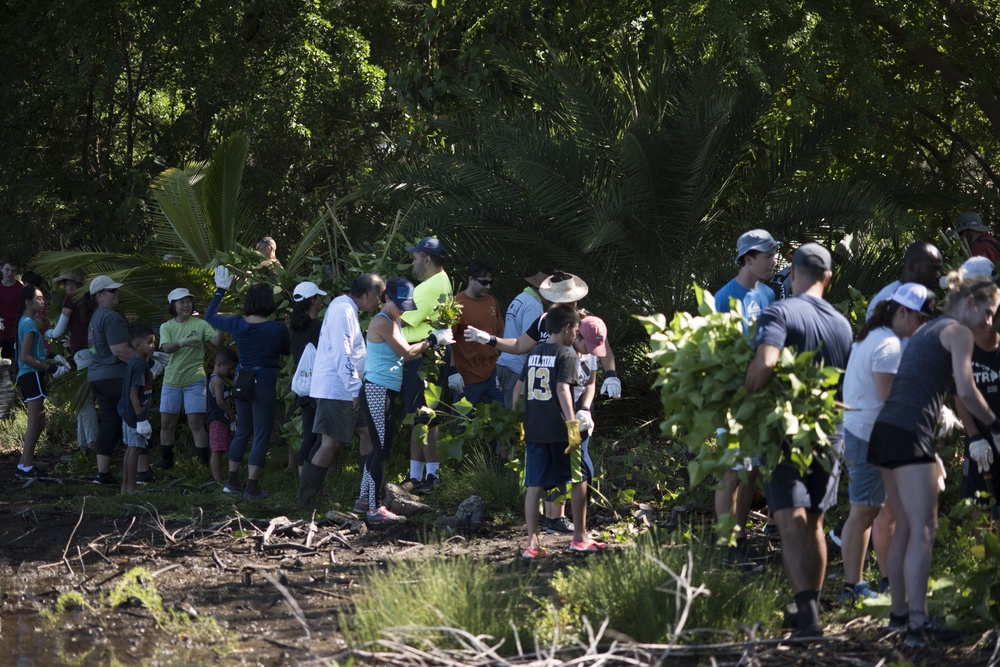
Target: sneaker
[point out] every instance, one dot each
(383, 515)
(104, 479)
(145, 477)
(361, 506)
(31, 473)
(857, 592)
(587, 546)
(809, 632)
(930, 633)
(235, 489)
(430, 485)
(534, 552)
(411, 485)
(897, 623)
(558, 525)
(259, 493)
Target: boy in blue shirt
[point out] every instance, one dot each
(137, 392)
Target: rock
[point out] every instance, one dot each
(469, 515)
(402, 502)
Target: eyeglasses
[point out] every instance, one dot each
(485, 282)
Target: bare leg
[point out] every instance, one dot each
(216, 463)
(882, 531)
(129, 470)
(168, 428)
(532, 497)
(897, 548)
(803, 548)
(921, 513)
(326, 455)
(36, 424)
(855, 541)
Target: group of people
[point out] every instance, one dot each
(909, 356)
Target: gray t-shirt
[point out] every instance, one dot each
(106, 328)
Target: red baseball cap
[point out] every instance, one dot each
(594, 333)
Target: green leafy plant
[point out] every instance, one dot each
(701, 362)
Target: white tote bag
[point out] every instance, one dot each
(302, 380)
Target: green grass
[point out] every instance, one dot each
(478, 597)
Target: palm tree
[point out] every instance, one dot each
(638, 174)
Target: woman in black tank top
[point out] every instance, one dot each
(902, 444)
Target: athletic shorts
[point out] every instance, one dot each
(219, 435)
(338, 419)
(131, 437)
(547, 465)
(191, 398)
(816, 491)
(893, 447)
(33, 386)
(864, 480)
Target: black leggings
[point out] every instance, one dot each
(108, 393)
(310, 441)
(377, 404)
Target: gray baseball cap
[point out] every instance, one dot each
(969, 220)
(755, 239)
(814, 256)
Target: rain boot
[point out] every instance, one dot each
(310, 485)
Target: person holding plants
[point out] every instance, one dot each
(32, 369)
(261, 343)
(387, 352)
(805, 322)
(75, 318)
(183, 337)
(867, 382)
(936, 358)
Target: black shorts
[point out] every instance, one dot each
(816, 491)
(892, 447)
(33, 386)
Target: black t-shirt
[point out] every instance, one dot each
(547, 366)
(137, 374)
(986, 375)
(806, 323)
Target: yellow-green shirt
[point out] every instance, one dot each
(427, 295)
(187, 364)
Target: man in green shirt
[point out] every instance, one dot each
(434, 286)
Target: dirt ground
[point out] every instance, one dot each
(281, 589)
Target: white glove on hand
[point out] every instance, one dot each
(144, 428)
(456, 383)
(157, 368)
(62, 361)
(474, 335)
(981, 452)
(50, 334)
(223, 279)
(192, 339)
(948, 422)
(443, 336)
(586, 420)
(612, 387)
(60, 371)
(942, 473)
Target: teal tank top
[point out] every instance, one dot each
(383, 366)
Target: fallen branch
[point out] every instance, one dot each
(73, 534)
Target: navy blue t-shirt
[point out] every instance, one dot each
(806, 323)
(137, 374)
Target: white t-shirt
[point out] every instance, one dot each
(879, 352)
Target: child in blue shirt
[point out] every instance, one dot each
(137, 393)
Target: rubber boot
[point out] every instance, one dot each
(204, 455)
(310, 486)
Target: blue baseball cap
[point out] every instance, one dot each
(400, 292)
(429, 244)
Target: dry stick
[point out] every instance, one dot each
(79, 555)
(172, 566)
(313, 589)
(311, 533)
(218, 561)
(73, 534)
(296, 609)
(124, 535)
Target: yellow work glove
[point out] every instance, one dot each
(573, 435)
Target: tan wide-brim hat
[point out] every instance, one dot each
(73, 275)
(563, 288)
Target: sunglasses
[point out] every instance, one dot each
(485, 282)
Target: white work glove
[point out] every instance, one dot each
(62, 361)
(474, 335)
(232, 426)
(942, 473)
(223, 279)
(144, 428)
(50, 334)
(443, 337)
(159, 365)
(948, 422)
(612, 387)
(586, 420)
(60, 371)
(456, 383)
(981, 452)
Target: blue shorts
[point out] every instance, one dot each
(131, 437)
(864, 480)
(547, 465)
(191, 398)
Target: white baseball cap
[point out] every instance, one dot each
(178, 294)
(916, 297)
(306, 290)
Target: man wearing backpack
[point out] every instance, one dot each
(977, 236)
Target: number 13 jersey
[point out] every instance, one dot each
(547, 365)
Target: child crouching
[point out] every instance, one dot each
(137, 392)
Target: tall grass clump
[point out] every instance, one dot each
(462, 593)
(633, 588)
(485, 475)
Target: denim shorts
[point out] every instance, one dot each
(131, 437)
(191, 398)
(864, 480)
